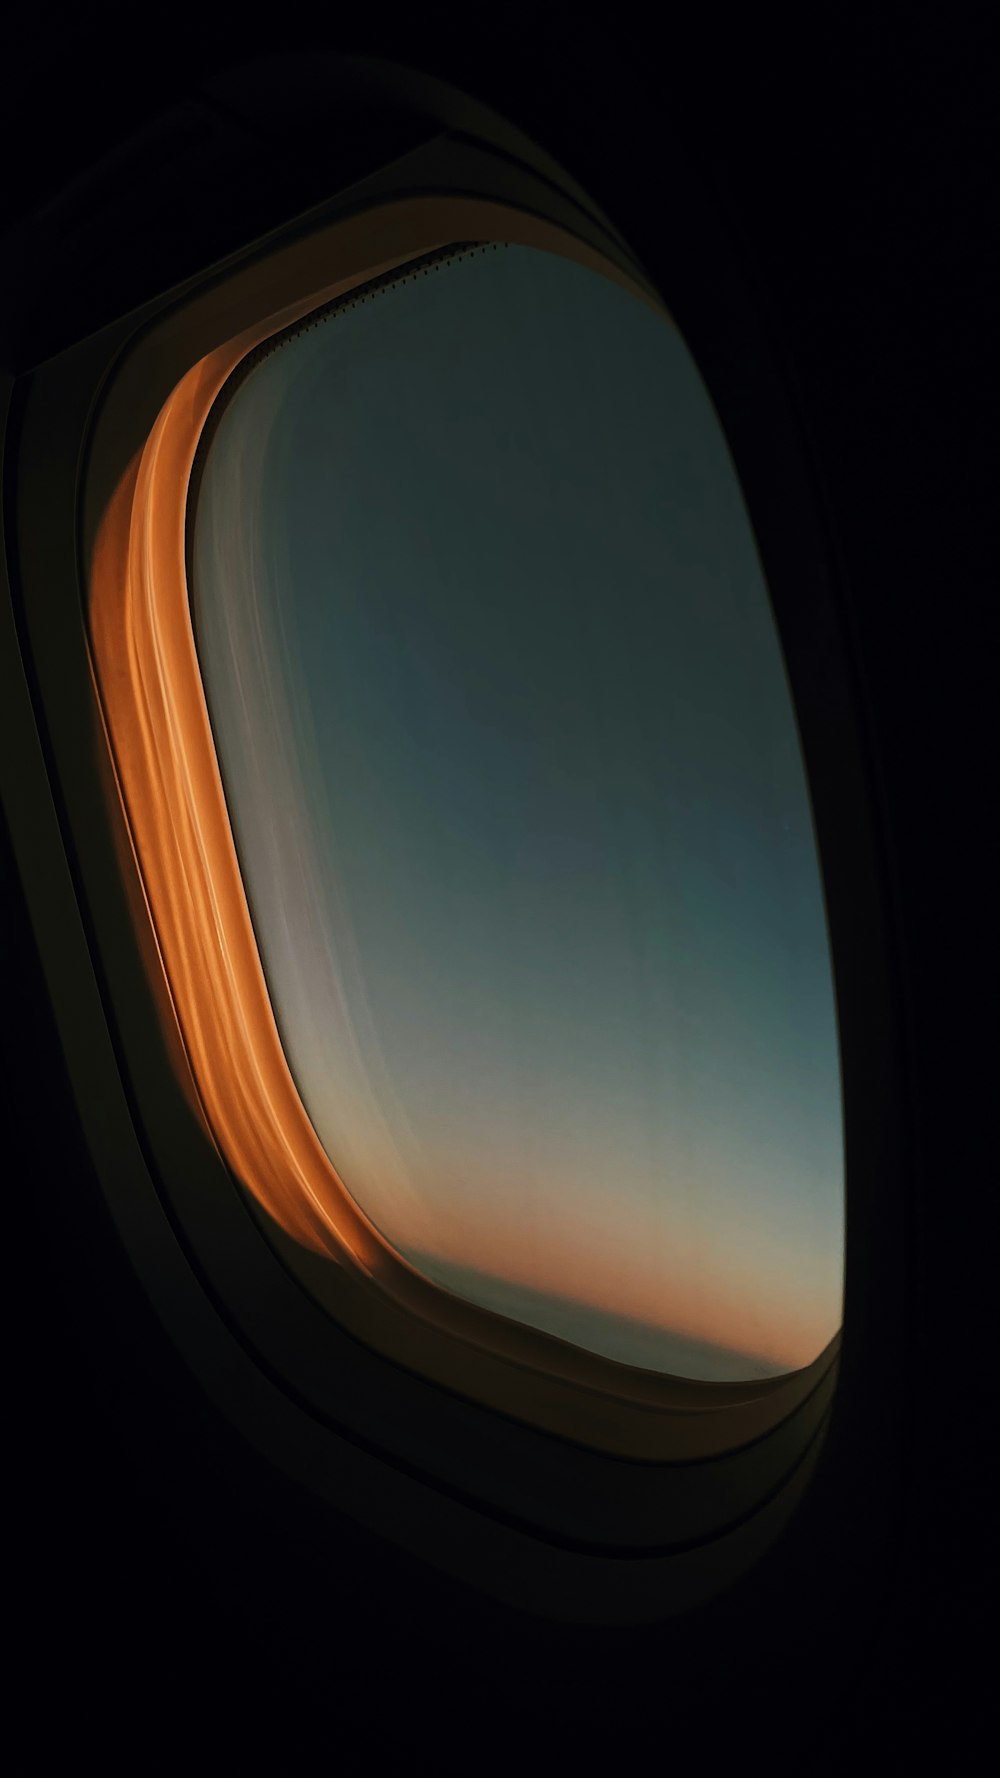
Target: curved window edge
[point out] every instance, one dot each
(171, 794)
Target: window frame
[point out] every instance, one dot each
(706, 1510)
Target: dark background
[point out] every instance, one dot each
(171, 1607)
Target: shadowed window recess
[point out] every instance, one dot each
(516, 789)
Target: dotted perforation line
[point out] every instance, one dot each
(351, 299)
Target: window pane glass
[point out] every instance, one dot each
(519, 802)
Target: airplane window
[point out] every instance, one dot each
(516, 788)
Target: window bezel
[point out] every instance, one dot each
(158, 724)
(123, 365)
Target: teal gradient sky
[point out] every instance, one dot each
(519, 802)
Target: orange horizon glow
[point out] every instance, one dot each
(158, 728)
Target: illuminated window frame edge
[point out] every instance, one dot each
(374, 240)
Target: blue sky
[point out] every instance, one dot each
(519, 802)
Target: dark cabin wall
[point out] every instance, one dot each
(851, 158)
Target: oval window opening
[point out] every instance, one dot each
(515, 783)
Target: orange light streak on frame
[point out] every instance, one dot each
(168, 783)
(158, 724)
